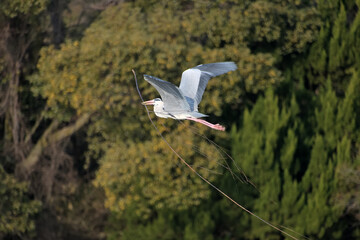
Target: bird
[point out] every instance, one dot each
(182, 102)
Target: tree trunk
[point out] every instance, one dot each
(58, 33)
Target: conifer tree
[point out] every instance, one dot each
(301, 199)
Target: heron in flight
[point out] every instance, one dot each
(182, 102)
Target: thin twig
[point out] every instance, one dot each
(217, 147)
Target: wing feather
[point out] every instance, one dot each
(174, 100)
(194, 80)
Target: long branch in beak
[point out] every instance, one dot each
(150, 102)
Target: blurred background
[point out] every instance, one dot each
(79, 158)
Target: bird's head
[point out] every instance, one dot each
(155, 101)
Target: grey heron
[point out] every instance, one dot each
(182, 102)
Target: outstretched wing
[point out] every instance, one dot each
(194, 80)
(174, 100)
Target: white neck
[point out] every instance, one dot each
(159, 109)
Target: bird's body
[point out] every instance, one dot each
(182, 102)
(160, 112)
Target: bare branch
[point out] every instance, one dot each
(36, 125)
(51, 136)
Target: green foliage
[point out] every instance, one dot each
(334, 53)
(269, 151)
(265, 148)
(13, 8)
(75, 90)
(201, 227)
(295, 146)
(17, 208)
(163, 39)
(192, 224)
(151, 177)
(158, 229)
(93, 76)
(140, 175)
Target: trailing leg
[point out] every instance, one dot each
(213, 126)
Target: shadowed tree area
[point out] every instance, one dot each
(80, 159)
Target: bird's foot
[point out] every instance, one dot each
(218, 127)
